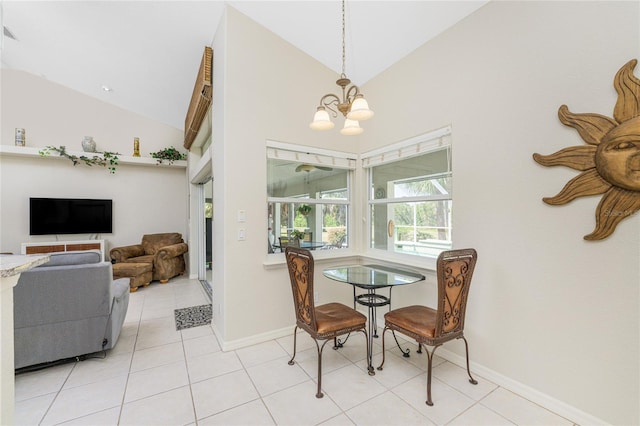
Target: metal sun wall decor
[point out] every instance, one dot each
(610, 162)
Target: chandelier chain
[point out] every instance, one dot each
(352, 104)
(343, 42)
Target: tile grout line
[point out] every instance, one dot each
(186, 363)
(148, 303)
(133, 352)
(57, 395)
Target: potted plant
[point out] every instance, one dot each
(304, 209)
(169, 154)
(297, 235)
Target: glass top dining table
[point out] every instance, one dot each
(309, 245)
(372, 277)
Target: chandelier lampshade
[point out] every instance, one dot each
(359, 109)
(353, 106)
(321, 120)
(351, 127)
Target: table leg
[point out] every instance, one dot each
(371, 300)
(372, 315)
(372, 328)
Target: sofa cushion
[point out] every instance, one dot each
(74, 258)
(154, 242)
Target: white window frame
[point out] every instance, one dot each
(416, 146)
(319, 157)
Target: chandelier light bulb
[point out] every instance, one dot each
(359, 109)
(321, 120)
(351, 127)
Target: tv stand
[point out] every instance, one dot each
(62, 246)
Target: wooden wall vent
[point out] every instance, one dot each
(200, 99)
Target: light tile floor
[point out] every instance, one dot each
(159, 376)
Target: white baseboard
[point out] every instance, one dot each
(558, 407)
(255, 339)
(552, 404)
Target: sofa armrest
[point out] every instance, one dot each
(120, 254)
(168, 252)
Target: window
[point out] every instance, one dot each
(308, 198)
(410, 195)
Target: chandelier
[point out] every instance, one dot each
(352, 105)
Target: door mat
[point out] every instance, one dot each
(193, 316)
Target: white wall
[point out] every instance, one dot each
(145, 199)
(547, 309)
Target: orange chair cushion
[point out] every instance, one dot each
(336, 316)
(419, 320)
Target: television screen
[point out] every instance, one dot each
(48, 216)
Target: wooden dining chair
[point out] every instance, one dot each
(323, 322)
(433, 327)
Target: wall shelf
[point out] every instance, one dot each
(28, 151)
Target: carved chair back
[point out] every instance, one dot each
(300, 265)
(454, 270)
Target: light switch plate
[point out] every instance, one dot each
(242, 215)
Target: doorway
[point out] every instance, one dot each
(205, 234)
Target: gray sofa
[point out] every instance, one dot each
(68, 307)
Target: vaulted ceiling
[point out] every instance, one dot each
(148, 52)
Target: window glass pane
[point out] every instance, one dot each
(315, 226)
(307, 204)
(410, 203)
(291, 179)
(334, 225)
(423, 175)
(421, 228)
(423, 186)
(339, 194)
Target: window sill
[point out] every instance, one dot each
(277, 260)
(422, 263)
(427, 263)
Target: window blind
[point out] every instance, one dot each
(418, 145)
(309, 155)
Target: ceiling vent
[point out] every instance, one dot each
(200, 99)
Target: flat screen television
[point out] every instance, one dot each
(49, 216)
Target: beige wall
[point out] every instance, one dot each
(145, 199)
(54, 115)
(261, 87)
(550, 312)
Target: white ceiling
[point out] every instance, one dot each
(148, 52)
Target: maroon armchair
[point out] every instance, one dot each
(164, 251)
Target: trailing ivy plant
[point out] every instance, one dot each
(169, 154)
(105, 159)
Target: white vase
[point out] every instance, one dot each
(88, 144)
